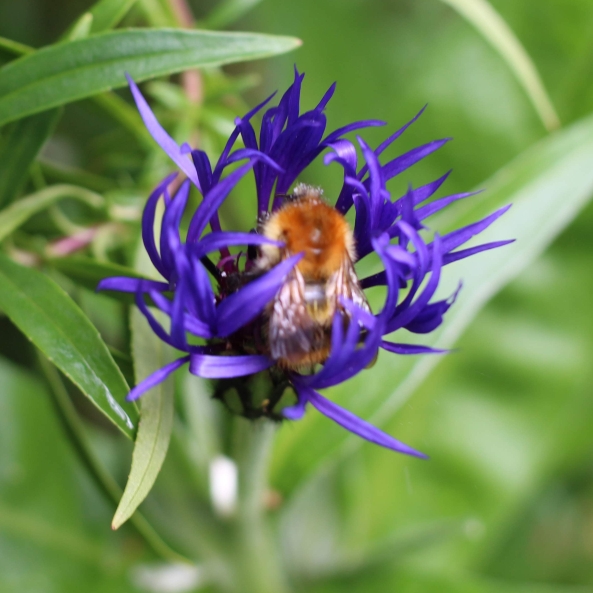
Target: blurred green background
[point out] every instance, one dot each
(505, 503)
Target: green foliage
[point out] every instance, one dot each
(89, 272)
(73, 70)
(502, 506)
(108, 13)
(54, 323)
(532, 183)
(16, 214)
(156, 409)
(495, 29)
(50, 513)
(228, 11)
(20, 144)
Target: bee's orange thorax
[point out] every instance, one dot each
(301, 315)
(312, 227)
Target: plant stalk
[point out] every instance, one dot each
(258, 560)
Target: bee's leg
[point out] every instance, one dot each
(363, 336)
(373, 362)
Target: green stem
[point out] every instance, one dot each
(14, 47)
(71, 176)
(75, 431)
(259, 564)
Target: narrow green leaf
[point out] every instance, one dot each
(228, 11)
(496, 31)
(89, 272)
(547, 186)
(81, 28)
(57, 326)
(20, 144)
(108, 13)
(156, 413)
(69, 71)
(159, 13)
(19, 212)
(103, 16)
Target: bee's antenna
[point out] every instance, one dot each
(285, 196)
(210, 267)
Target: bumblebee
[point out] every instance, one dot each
(299, 319)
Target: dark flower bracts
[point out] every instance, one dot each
(284, 302)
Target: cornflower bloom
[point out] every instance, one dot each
(223, 315)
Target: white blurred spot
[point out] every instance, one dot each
(474, 529)
(167, 578)
(223, 485)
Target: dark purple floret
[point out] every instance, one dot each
(216, 300)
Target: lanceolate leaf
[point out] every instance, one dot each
(108, 13)
(77, 69)
(81, 28)
(102, 16)
(547, 186)
(56, 325)
(228, 11)
(156, 418)
(89, 272)
(482, 15)
(19, 145)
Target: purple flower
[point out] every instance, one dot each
(229, 312)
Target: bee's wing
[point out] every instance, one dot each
(344, 283)
(292, 332)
